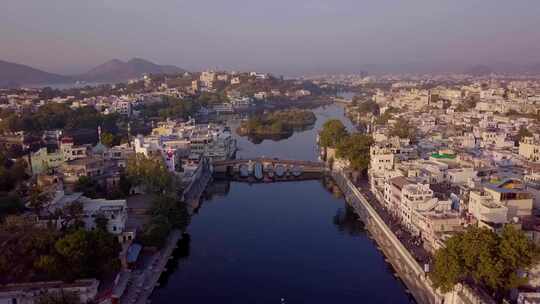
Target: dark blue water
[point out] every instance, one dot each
(290, 242)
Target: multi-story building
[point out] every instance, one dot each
(70, 151)
(92, 167)
(210, 140)
(529, 148)
(43, 160)
(115, 211)
(207, 78)
(496, 204)
(512, 194)
(381, 160)
(123, 107)
(485, 210)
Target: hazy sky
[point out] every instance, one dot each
(277, 35)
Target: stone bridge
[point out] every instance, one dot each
(269, 169)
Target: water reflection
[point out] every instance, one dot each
(258, 139)
(258, 243)
(181, 252)
(216, 189)
(348, 222)
(330, 186)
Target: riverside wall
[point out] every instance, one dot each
(406, 267)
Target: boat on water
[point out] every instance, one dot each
(296, 171)
(258, 171)
(251, 167)
(244, 171)
(280, 170)
(269, 170)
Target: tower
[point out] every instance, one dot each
(99, 134)
(129, 134)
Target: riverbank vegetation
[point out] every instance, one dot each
(53, 116)
(277, 123)
(353, 147)
(491, 260)
(167, 211)
(166, 214)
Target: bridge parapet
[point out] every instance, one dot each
(263, 160)
(270, 167)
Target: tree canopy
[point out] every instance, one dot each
(523, 132)
(89, 187)
(150, 172)
(277, 123)
(169, 107)
(403, 129)
(368, 106)
(50, 254)
(332, 133)
(52, 116)
(491, 260)
(167, 213)
(355, 148)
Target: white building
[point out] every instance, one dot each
(29, 293)
(529, 147)
(115, 211)
(69, 151)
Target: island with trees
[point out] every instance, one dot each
(279, 124)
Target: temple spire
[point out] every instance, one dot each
(99, 134)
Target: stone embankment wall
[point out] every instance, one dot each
(406, 267)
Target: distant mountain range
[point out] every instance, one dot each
(13, 74)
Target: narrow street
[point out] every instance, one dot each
(412, 243)
(142, 283)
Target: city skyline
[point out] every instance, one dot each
(306, 37)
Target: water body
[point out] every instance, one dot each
(278, 243)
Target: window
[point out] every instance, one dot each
(114, 228)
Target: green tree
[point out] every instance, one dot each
(49, 264)
(403, 129)
(332, 133)
(108, 139)
(38, 199)
(368, 106)
(10, 204)
(516, 252)
(491, 260)
(523, 132)
(86, 254)
(88, 186)
(167, 213)
(176, 211)
(73, 250)
(70, 216)
(152, 173)
(156, 231)
(448, 269)
(355, 148)
(386, 116)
